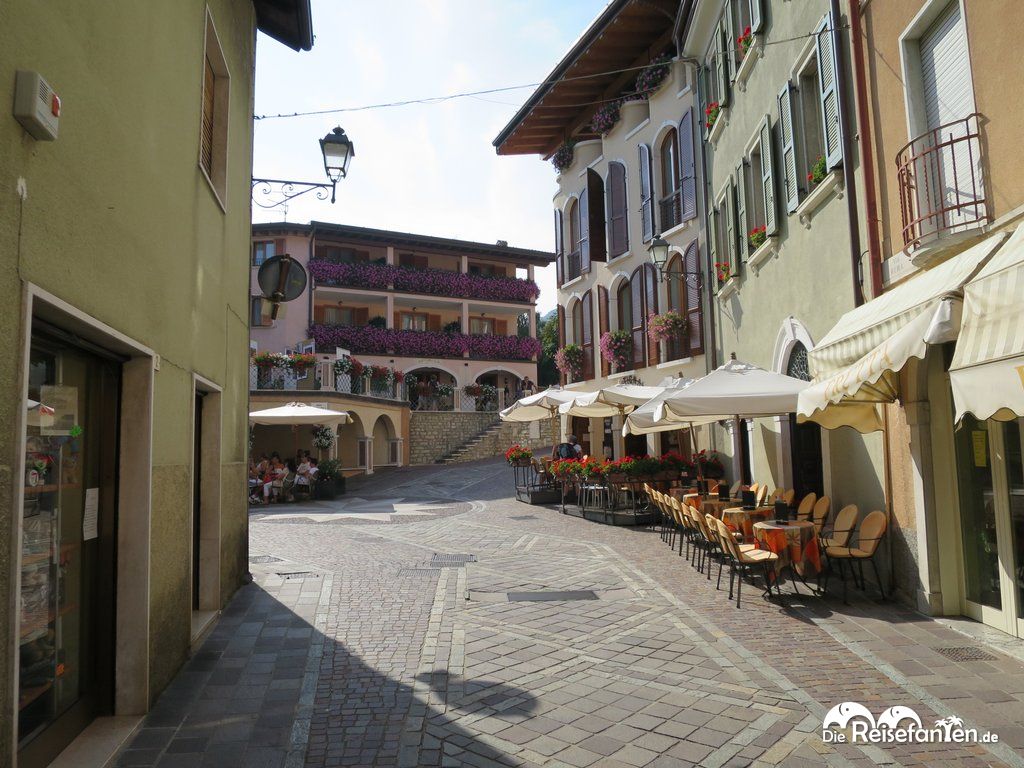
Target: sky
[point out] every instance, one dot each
(429, 168)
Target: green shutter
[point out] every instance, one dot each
(741, 209)
(730, 41)
(730, 228)
(825, 48)
(755, 15)
(767, 178)
(713, 236)
(790, 183)
(722, 64)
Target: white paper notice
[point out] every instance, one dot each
(90, 520)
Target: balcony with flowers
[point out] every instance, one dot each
(438, 344)
(437, 282)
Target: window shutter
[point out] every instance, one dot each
(602, 322)
(588, 335)
(741, 210)
(559, 247)
(206, 134)
(561, 334)
(731, 45)
(828, 64)
(501, 327)
(755, 15)
(790, 183)
(397, 319)
(767, 178)
(636, 301)
(694, 312)
(618, 235)
(433, 322)
(279, 247)
(713, 236)
(646, 194)
(595, 212)
(651, 307)
(360, 316)
(722, 65)
(730, 228)
(584, 205)
(687, 167)
(319, 314)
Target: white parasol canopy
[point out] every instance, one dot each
(543, 405)
(617, 400)
(298, 413)
(734, 390)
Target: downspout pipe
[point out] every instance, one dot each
(867, 149)
(850, 178)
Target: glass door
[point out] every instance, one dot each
(1013, 443)
(66, 606)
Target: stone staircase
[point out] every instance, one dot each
(494, 441)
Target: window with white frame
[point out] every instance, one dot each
(213, 127)
(481, 325)
(261, 251)
(259, 312)
(414, 321)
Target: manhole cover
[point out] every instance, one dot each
(523, 517)
(524, 597)
(416, 571)
(451, 560)
(966, 653)
(265, 559)
(299, 575)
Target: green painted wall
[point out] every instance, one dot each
(120, 222)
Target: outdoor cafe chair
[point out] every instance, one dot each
(696, 538)
(842, 528)
(803, 512)
(734, 491)
(820, 513)
(869, 533)
(707, 542)
(762, 496)
(789, 497)
(744, 561)
(680, 525)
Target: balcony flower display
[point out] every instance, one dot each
(653, 75)
(518, 456)
(757, 237)
(708, 464)
(563, 156)
(566, 469)
(617, 348)
(271, 360)
(818, 172)
(605, 118)
(722, 270)
(711, 114)
(380, 372)
(473, 390)
(569, 360)
(379, 341)
(399, 376)
(323, 437)
(439, 282)
(301, 362)
(744, 41)
(666, 326)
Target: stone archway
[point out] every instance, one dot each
(384, 434)
(349, 435)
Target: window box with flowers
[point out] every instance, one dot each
(715, 118)
(748, 49)
(569, 361)
(762, 247)
(617, 349)
(564, 156)
(821, 184)
(728, 283)
(605, 118)
(377, 341)
(653, 76)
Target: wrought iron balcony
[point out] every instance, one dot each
(573, 265)
(671, 209)
(942, 189)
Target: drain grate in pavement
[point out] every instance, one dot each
(525, 597)
(299, 575)
(265, 559)
(966, 653)
(523, 517)
(451, 560)
(416, 571)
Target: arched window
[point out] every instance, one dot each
(798, 366)
(624, 304)
(676, 347)
(618, 232)
(668, 162)
(577, 322)
(572, 258)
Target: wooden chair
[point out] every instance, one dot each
(734, 491)
(820, 513)
(789, 497)
(842, 528)
(744, 560)
(683, 524)
(803, 512)
(776, 495)
(762, 496)
(869, 533)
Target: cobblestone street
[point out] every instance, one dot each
(411, 623)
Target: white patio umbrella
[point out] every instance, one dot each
(298, 413)
(543, 405)
(618, 399)
(734, 390)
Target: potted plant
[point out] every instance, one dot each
(709, 464)
(569, 361)
(757, 237)
(744, 41)
(818, 172)
(518, 456)
(605, 118)
(653, 75)
(563, 156)
(666, 326)
(711, 114)
(592, 469)
(323, 437)
(722, 270)
(617, 348)
(301, 362)
(455, 326)
(620, 470)
(329, 480)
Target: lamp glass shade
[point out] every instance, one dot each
(658, 250)
(338, 150)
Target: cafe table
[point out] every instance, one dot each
(710, 505)
(742, 519)
(795, 543)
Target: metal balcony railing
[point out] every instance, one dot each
(942, 190)
(671, 209)
(573, 265)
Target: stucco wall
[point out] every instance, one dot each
(119, 222)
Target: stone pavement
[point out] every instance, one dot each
(559, 643)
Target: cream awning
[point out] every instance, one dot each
(616, 400)
(987, 374)
(298, 413)
(856, 365)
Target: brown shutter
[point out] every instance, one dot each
(319, 314)
(360, 316)
(595, 214)
(361, 256)
(636, 322)
(651, 306)
(398, 320)
(602, 323)
(500, 327)
(559, 247)
(618, 242)
(433, 322)
(588, 335)
(279, 246)
(687, 167)
(206, 137)
(419, 261)
(561, 333)
(584, 233)
(646, 194)
(694, 311)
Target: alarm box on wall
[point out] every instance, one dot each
(36, 106)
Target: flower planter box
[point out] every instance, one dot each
(326, 490)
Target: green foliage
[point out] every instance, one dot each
(547, 332)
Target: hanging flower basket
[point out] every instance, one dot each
(605, 118)
(653, 75)
(569, 360)
(617, 348)
(666, 326)
(563, 156)
(323, 437)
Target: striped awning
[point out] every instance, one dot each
(856, 365)
(987, 374)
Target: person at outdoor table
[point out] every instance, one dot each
(313, 469)
(574, 441)
(270, 477)
(528, 387)
(302, 471)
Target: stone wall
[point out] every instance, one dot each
(433, 436)
(496, 440)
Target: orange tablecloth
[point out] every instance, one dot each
(709, 506)
(796, 545)
(742, 520)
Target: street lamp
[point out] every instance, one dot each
(337, 149)
(658, 251)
